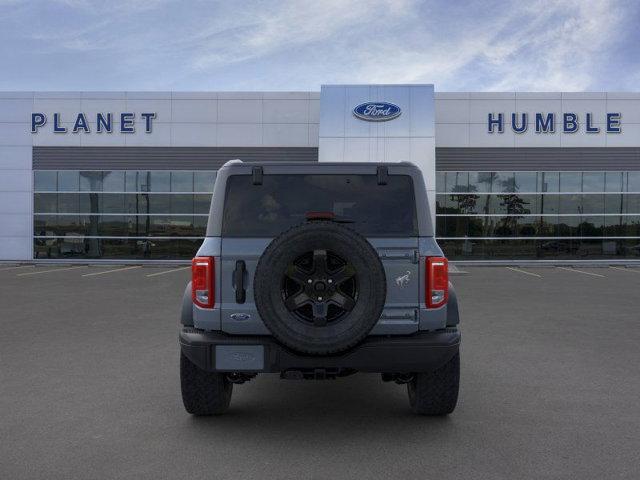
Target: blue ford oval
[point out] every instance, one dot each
(377, 111)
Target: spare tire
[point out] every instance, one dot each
(320, 288)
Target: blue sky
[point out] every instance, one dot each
(536, 45)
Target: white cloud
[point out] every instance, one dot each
(565, 55)
(261, 32)
(299, 44)
(542, 46)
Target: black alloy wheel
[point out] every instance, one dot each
(320, 287)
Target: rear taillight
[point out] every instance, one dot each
(437, 281)
(202, 283)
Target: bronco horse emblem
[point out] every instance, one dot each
(403, 280)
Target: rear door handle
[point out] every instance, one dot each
(238, 280)
(400, 255)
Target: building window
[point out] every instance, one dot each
(120, 214)
(538, 215)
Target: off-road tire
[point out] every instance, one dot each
(436, 393)
(203, 393)
(353, 326)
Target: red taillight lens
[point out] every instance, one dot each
(202, 283)
(437, 281)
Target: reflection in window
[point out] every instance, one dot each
(182, 182)
(480, 181)
(134, 249)
(613, 203)
(504, 182)
(631, 203)
(45, 181)
(92, 205)
(441, 178)
(593, 181)
(68, 181)
(592, 203)
(457, 182)
(571, 181)
(543, 249)
(566, 223)
(633, 182)
(113, 181)
(571, 203)
(613, 182)
(119, 225)
(157, 182)
(203, 181)
(109, 203)
(135, 180)
(90, 181)
(549, 182)
(526, 182)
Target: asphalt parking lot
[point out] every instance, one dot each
(89, 387)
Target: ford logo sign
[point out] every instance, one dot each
(240, 316)
(377, 111)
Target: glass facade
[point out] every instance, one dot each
(162, 215)
(152, 215)
(538, 215)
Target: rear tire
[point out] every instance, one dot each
(203, 393)
(436, 393)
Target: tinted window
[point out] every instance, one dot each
(283, 201)
(526, 181)
(203, 181)
(480, 181)
(113, 181)
(633, 182)
(504, 182)
(45, 181)
(593, 182)
(181, 181)
(549, 182)
(613, 182)
(159, 182)
(457, 181)
(571, 182)
(68, 181)
(91, 181)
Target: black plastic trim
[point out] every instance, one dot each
(257, 173)
(453, 314)
(421, 352)
(186, 312)
(238, 280)
(383, 174)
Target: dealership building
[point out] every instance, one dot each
(129, 175)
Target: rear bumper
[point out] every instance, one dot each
(420, 352)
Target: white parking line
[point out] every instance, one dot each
(49, 271)
(167, 271)
(111, 271)
(632, 270)
(15, 268)
(581, 271)
(522, 271)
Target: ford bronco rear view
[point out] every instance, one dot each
(318, 271)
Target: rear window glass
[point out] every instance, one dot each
(283, 201)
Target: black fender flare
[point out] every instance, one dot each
(453, 313)
(186, 313)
